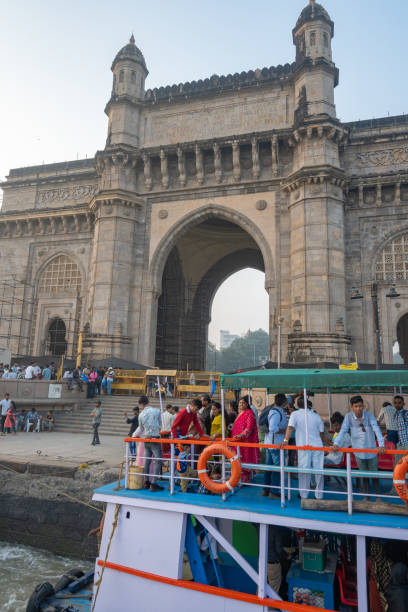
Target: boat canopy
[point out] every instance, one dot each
(337, 381)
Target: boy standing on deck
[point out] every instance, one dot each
(363, 429)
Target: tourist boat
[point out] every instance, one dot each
(169, 550)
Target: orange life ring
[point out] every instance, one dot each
(399, 481)
(211, 485)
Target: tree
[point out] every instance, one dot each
(245, 352)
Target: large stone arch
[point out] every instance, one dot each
(65, 302)
(233, 242)
(178, 229)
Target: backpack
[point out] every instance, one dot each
(263, 424)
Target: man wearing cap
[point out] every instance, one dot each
(96, 421)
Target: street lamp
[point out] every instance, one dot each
(357, 295)
(280, 321)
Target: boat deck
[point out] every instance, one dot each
(247, 504)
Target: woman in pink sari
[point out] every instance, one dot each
(245, 429)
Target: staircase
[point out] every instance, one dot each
(113, 422)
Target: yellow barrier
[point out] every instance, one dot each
(130, 381)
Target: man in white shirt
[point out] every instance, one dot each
(29, 372)
(149, 427)
(5, 405)
(169, 416)
(307, 459)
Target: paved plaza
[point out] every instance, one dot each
(67, 448)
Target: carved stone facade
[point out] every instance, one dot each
(199, 180)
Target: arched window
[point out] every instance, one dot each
(61, 275)
(133, 76)
(57, 344)
(325, 39)
(121, 76)
(312, 39)
(392, 263)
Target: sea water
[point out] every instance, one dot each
(23, 567)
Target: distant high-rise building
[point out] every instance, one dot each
(226, 338)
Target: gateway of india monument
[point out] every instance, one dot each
(197, 181)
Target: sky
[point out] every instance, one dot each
(55, 59)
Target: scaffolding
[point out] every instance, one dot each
(18, 320)
(15, 315)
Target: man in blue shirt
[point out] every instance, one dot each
(402, 423)
(149, 427)
(363, 429)
(277, 423)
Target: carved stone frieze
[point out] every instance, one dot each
(60, 194)
(385, 157)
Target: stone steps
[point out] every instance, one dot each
(113, 421)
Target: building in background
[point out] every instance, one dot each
(197, 181)
(226, 338)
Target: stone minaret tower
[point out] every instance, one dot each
(123, 109)
(117, 263)
(315, 191)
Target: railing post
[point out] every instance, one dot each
(263, 560)
(361, 574)
(282, 476)
(172, 457)
(127, 456)
(192, 456)
(349, 485)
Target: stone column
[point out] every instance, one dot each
(398, 191)
(316, 208)
(147, 171)
(236, 168)
(378, 195)
(112, 274)
(181, 167)
(164, 169)
(255, 159)
(217, 163)
(275, 155)
(199, 165)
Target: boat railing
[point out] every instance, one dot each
(343, 476)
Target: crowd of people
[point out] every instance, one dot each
(31, 371)
(13, 420)
(284, 423)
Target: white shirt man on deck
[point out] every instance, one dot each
(307, 459)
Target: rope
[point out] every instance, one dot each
(120, 477)
(72, 497)
(99, 582)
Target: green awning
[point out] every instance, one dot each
(338, 381)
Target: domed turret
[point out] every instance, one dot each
(129, 71)
(128, 90)
(313, 32)
(130, 52)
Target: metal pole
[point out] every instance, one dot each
(223, 413)
(263, 560)
(161, 402)
(349, 485)
(171, 469)
(376, 319)
(282, 476)
(361, 574)
(306, 419)
(329, 406)
(224, 497)
(127, 465)
(279, 345)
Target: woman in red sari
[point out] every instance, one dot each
(245, 429)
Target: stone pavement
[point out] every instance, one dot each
(64, 449)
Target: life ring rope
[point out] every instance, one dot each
(228, 453)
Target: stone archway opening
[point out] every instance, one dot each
(402, 337)
(200, 261)
(56, 337)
